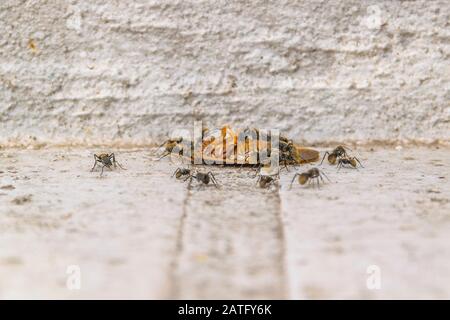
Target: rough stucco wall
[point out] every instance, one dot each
(105, 71)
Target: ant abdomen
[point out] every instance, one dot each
(332, 158)
(303, 178)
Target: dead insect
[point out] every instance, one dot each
(288, 153)
(107, 160)
(313, 174)
(204, 178)
(225, 146)
(169, 145)
(338, 152)
(182, 172)
(349, 162)
(266, 180)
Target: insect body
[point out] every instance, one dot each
(107, 160)
(349, 162)
(266, 181)
(313, 174)
(287, 151)
(182, 172)
(338, 152)
(169, 145)
(227, 146)
(204, 178)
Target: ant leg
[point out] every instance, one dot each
(324, 157)
(102, 170)
(209, 173)
(281, 163)
(213, 179)
(276, 183)
(295, 176)
(176, 171)
(163, 156)
(277, 174)
(163, 144)
(190, 181)
(323, 181)
(256, 167)
(120, 166)
(95, 162)
(311, 181)
(242, 164)
(113, 158)
(323, 173)
(358, 162)
(318, 182)
(215, 183)
(116, 162)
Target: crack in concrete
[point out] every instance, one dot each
(227, 237)
(174, 285)
(283, 255)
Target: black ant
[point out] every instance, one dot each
(287, 151)
(204, 178)
(313, 174)
(169, 145)
(107, 160)
(338, 152)
(349, 162)
(181, 172)
(266, 180)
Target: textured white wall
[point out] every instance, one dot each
(109, 70)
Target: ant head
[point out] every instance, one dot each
(353, 162)
(178, 174)
(332, 158)
(106, 160)
(303, 178)
(340, 151)
(170, 145)
(203, 177)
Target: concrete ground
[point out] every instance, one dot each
(379, 232)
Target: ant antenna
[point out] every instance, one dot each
(346, 147)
